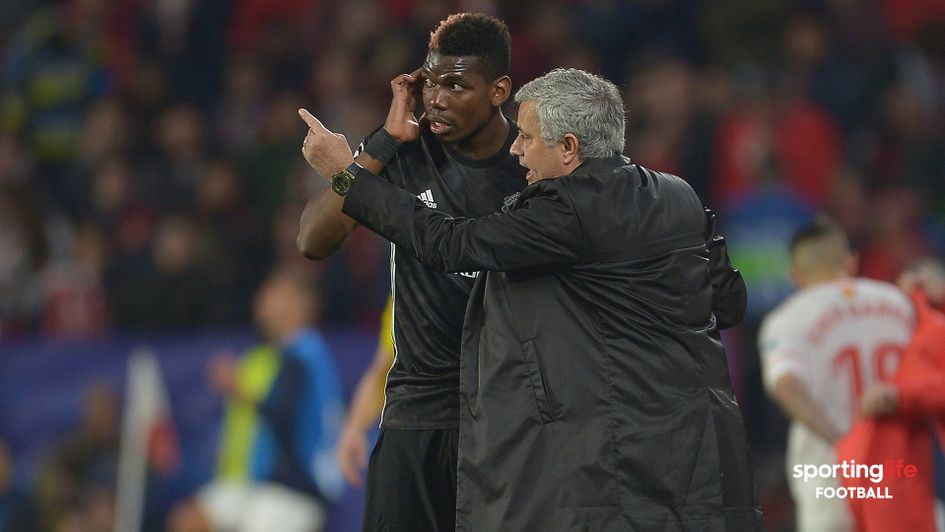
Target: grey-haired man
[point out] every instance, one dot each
(594, 389)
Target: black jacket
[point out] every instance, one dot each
(595, 394)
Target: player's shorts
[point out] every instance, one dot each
(259, 508)
(411, 482)
(820, 514)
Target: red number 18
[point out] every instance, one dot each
(885, 359)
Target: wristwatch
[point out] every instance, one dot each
(341, 181)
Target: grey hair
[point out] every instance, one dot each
(578, 102)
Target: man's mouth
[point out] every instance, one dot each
(438, 127)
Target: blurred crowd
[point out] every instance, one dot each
(150, 172)
(74, 489)
(149, 165)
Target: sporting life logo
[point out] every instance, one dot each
(874, 473)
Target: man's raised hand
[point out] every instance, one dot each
(327, 152)
(401, 122)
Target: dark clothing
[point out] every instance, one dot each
(280, 410)
(594, 389)
(301, 413)
(411, 483)
(17, 514)
(729, 293)
(423, 384)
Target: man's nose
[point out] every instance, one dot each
(514, 149)
(437, 101)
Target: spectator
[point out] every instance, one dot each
(60, 47)
(23, 253)
(78, 481)
(175, 288)
(267, 167)
(293, 473)
(75, 304)
(902, 418)
(171, 175)
(820, 350)
(16, 508)
(242, 105)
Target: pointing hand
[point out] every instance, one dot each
(327, 152)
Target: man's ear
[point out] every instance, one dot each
(571, 146)
(796, 277)
(501, 90)
(853, 264)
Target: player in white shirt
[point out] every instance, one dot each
(834, 338)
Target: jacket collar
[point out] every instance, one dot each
(593, 166)
(600, 165)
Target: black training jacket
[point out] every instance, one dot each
(594, 392)
(422, 391)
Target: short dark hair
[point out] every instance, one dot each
(821, 243)
(476, 35)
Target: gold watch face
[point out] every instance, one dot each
(341, 182)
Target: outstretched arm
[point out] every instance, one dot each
(543, 231)
(323, 227)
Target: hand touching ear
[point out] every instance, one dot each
(401, 123)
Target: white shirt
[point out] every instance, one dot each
(838, 339)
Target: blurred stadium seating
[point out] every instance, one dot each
(150, 150)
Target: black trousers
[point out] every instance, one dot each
(411, 482)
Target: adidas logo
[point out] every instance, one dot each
(427, 198)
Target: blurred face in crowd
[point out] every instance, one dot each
(180, 133)
(268, 307)
(6, 467)
(281, 307)
(218, 190)
(106, 131)
(458, 96)
(175, 246)
(542, 160)
(111, 186)
(99, 415)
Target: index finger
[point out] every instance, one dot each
(416, 73)
(310, 119)
(415, 85)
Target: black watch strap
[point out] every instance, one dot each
(341, 182)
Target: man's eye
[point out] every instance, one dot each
(456, 87)
(428, 83)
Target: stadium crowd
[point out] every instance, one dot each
(150, 172)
